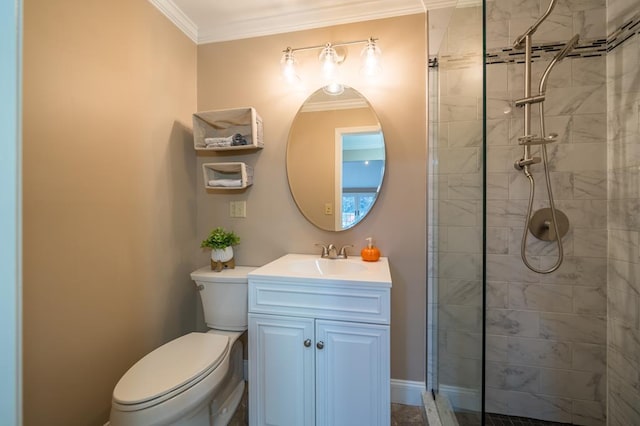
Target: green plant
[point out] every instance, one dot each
(220, 239)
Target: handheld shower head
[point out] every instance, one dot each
(568, 48)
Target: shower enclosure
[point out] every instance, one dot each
(520, 322)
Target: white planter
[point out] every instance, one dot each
(222, 255)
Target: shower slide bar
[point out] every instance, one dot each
(548, 224)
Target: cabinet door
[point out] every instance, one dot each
(281, 371)
(352, 374)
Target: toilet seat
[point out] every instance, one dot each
(170, 370)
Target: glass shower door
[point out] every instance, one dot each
(456, 165)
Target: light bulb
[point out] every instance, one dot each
(288, 67)
(371, 59)
(329, 60)
(333, 89)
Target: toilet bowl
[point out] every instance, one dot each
(196, 379)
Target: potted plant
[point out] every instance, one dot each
(221, 243)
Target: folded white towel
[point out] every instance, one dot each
(233, 140)
(218, 141)
(226, 182)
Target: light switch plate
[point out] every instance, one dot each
(237, 209)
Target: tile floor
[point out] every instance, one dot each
(502, 420)
(491, 419)
(407, 415)
(401, 415)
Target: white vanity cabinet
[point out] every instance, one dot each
(318, 352)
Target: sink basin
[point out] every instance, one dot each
(294, 267)
(326, 267)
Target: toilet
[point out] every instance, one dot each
(196, 379)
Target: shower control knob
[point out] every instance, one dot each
(320, 345)
(307, 343)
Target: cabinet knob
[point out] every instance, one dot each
(307, 343)
(320, 344)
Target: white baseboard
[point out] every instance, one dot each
(406, 392)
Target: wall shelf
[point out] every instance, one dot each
(227, 176)
(226, 130)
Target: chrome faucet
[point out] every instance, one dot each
(325, 250)
(343, 251)
(332, 252)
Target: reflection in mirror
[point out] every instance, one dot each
(335, 159)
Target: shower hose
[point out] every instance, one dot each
(532, 190)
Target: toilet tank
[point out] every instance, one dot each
(224, 296)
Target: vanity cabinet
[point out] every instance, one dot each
(318, 353)
(317, 372)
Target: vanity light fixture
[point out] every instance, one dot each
(330, 60)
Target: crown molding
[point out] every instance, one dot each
(295, 20)
(439, 4)
(334, 105)
(469, 3)
(315, 17)
(169, 9)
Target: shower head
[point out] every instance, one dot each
(519, 42)
(568, 48)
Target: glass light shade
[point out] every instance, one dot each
(288, 67)
(371, 60)
(329, 59)
(333, 89)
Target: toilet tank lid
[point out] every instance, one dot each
(235, 275)
(171, 366)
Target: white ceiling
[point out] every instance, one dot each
(207, 21)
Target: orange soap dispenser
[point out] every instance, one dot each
(370, 253)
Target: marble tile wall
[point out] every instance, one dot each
(623, 109)
(546, 334)
(563, 346)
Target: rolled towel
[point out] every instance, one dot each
(218, 141)
(238, 139)
(226, 182)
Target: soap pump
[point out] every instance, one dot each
(370, 253)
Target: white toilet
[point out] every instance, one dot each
(196, 379)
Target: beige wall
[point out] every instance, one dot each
(246, 73)
(114, 208)
(109, 199)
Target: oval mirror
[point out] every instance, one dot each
(335, 159)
